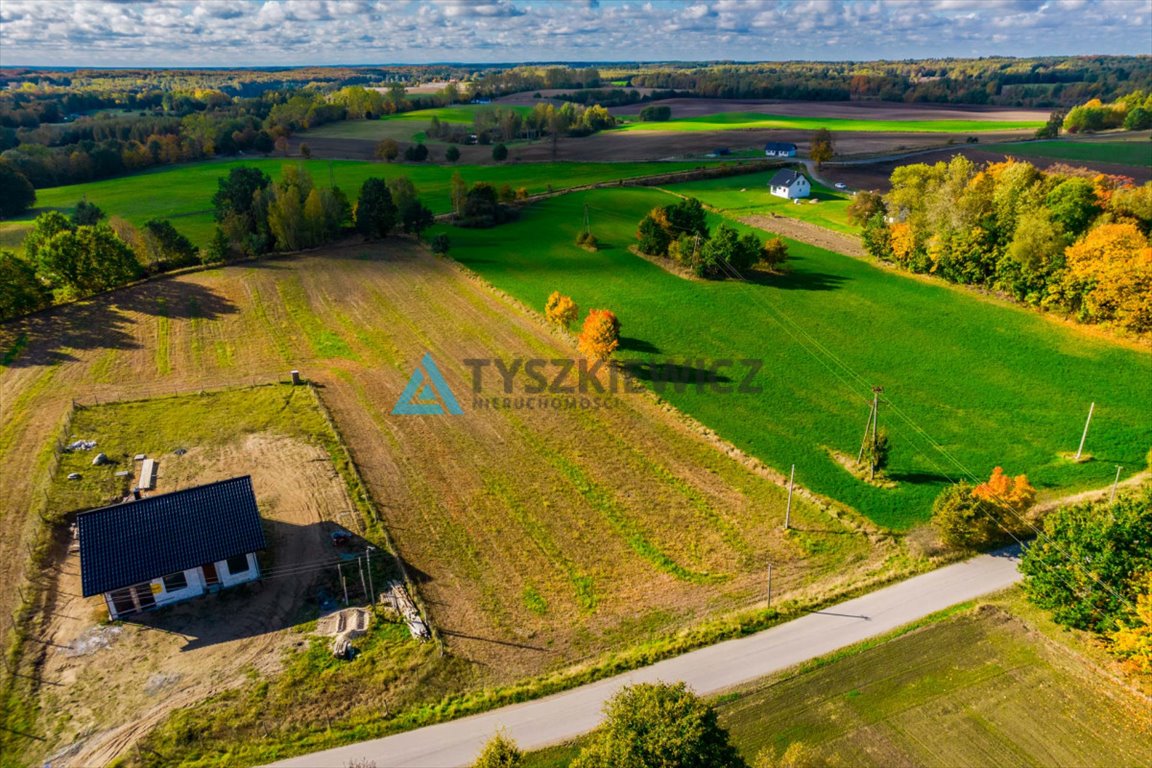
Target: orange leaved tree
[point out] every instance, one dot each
(601, 334)
(1012, 493)
(1132, 642)
(561, 310)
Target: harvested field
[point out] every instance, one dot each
(537, 537)
(807, 232)
(851, 110)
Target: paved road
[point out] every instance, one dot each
(565, 715)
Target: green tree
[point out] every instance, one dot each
(1086, 565)
(16, 193)
(499, 752)
(1051, 129)
(654, 239)
(236, 193)
(87, 259)
(415, 217)
(219, 248)
(86, 213)
(1138, 119)
(166, 247)
(728, 254)
(375, 211)
(46, 226)
(458, 193)
(305, 151)
(452, 154)
(416, 153)
(499, 153)
(1073, 205)
(963, 520)
(440, 244)
(822, 149)
(649, 725)
(864, 206)
(285, 211)
(21, 291)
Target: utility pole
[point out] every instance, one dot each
(788, 512)
(873, 417)
(1115, 483)
(587, 222)
(769, 584)
(1084, 436)
(363, 585)
(371, 586)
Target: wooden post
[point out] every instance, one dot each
(1116, 482)
(343, 581)
(371, 586)
(1084, 436)
(769, 584)
(363, 585)
(788, 511)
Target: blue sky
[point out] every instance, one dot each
(298, 32)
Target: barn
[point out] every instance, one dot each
(789, 185)
(779, 149)
(142, 554)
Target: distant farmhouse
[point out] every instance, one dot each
(170, 547)
(789, 185)
(779, 149)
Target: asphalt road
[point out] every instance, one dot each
(708, 670)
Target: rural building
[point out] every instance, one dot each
(779, 149)
(150, 552)
(790, 185)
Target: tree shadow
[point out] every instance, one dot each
(797, 280)
(629, 344)
(57, 335)
(677, 375)
(918, 478)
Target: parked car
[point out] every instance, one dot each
(841, 185)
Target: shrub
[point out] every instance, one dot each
(500, 752)
(387, 149)
(561, 310)
(775, 253)
(587, 240)
(499, 153)
(452, 154)
(440, 244)
(601, 334)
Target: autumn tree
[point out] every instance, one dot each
(1109, 277)
(1090, 560)
(1011, 494)
(561, 310)
(1132, 640)
(774, 253)
(458, 192)
(499, 752)
(661, 724)
(822, 149)
(600, 335)
(386, 150)
(864, 206)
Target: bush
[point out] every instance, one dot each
(387, 150)
(655, 114)
(561, 310)
(452, 154)
(587, 240)
(86, 214)
(647, 725)
(500, 752)
(499, 153)
(775, 253)
(440, 244)
(964, 521)
(416, 153)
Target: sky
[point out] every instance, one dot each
(314, 32)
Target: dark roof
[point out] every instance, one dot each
(777, 146)
(138, 541)
(784, 178)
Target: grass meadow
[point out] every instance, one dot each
(992, 384)
(183, 193)
(1137, 152)
(963, 690)
(405, 126)
(748, 195)
(757, 120)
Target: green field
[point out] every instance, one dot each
(748, 195)
(1120, 152)
(403, 126)
(977, 688)
(725, 121)
(993, 384)
(184, 193)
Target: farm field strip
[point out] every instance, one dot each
(760, 120)
(1133, 152)
(183, 193)
(927, 344)
(963, 689)
(748, 195)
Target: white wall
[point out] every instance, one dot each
(195, 587)
(228, 579)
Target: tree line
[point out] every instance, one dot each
(679, 232)
(1067, 239)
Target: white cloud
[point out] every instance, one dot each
(252, 32)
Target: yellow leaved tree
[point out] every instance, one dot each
(1132, 643)
(561, 310)
(1013, 493)
(1109, 276)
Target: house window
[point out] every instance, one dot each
(237, 564)
(175, 582)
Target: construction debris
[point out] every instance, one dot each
(80, 445)
(100, 460)
(344, 626)
(73, 475)
(396, 597)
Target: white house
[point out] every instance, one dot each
(779, 149)
(151, 552)
(789, 185)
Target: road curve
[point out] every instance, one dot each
(565, 715)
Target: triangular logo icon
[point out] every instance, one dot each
(427, 393)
